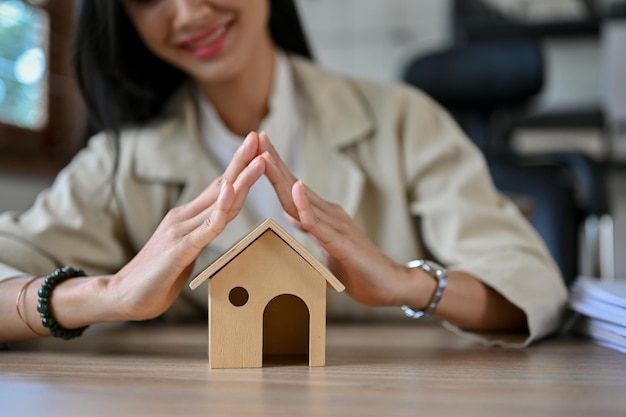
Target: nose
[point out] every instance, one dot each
(189, 13)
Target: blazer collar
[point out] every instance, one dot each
(168, 147)
(335, 118)
(337, 114)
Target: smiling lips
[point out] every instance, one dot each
(207, 44)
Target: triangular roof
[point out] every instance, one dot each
(268, 224)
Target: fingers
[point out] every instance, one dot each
(242, 185)
(323, 220)
(245, 181)
(248, 150)
(242, 158)
(279, 175)
(211, 222)
(216, 218)
(306, 216)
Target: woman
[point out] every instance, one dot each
(389, 179)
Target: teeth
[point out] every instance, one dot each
(219, 32)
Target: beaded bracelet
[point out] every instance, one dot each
(44, 293)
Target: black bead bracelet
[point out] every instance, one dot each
(43, 308)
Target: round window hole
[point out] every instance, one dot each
(238, 296)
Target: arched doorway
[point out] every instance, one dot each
(286, 331)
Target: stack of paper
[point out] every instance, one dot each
(601, 308)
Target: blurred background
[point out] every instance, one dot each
(538, 85)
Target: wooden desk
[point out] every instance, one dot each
(372, 370)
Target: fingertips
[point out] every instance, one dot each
(257, 166)
(264, 140)
(270, 160)
(251, 140)
(266, 145)
(298, 193)
(312, 198)
(251, 172)
(246, 152)
(250, 146)
(226, 195)
(272, 170)
(248, 178)
(303, 205)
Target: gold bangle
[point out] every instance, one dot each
(17, 307)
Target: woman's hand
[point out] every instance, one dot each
(370, 276)
(151, 281)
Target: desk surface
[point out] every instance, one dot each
(372, 370)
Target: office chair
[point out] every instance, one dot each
(486, 85)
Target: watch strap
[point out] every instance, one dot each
(441, 276)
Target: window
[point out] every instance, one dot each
(41, 121)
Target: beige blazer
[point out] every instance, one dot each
(386, 153)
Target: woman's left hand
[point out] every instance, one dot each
(369, 276)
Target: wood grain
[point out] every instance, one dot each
(267, 269)
(371, 370)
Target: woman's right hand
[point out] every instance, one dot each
(152, 280)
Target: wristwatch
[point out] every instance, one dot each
(441, 275)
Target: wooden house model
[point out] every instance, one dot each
(267, 300)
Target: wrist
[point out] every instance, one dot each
(82, 301)
(439, 275)
(416, 288)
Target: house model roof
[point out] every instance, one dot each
(268, 224)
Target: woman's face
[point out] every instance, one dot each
(211, 40)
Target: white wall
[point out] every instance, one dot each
(374, 38)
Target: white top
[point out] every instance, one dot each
(283, 125)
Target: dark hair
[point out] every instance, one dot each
(123, 82)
